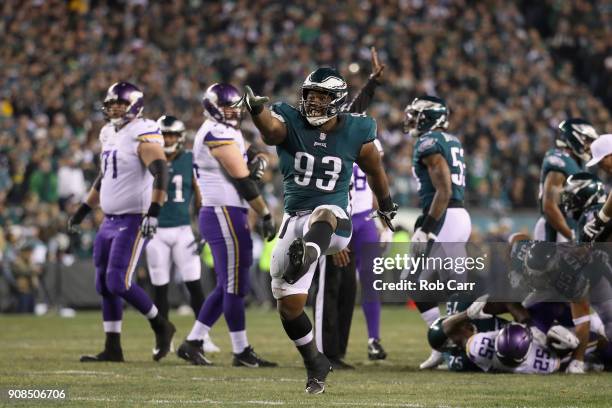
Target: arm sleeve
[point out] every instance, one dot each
(362, 100)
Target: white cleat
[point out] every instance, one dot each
(575, 367)
(209, 346)
(434, 360)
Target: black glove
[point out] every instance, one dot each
(257, 167)
(198, 244)
(594, 227)
(148, 226)
(75, 220)
(268, 228)
(387, 210)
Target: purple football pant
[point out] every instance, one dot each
(226, 230)
(116, 251)
(364, 244)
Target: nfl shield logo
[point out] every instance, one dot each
(322, 136)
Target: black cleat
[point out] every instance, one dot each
(248, 358)
(299, 261)
(193, 352)
(163, 340)
(339, 364)
(376, 350)
(317, 373)
(104, 356)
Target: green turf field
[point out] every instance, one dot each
(43, 352)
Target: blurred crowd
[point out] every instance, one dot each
(510, 72)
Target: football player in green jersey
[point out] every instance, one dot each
(568, 157)
(439, 168)
(174, 244)
(317, 146)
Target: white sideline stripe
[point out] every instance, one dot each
(246, 379)
(251, 402)
(72, 372)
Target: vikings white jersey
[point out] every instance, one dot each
(361, 194)
(216, 186)
(480, 349)
(127, 184)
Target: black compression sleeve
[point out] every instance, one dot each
(247, 188)
(159, 170)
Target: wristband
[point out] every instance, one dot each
(386, 204)
(154, 210)
(602, 216)
(81, 212)
(429, 224)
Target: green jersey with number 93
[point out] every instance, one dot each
(316, 166)
(450, 148)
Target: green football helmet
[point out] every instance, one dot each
(577, 135)
(425, 113)
(581, 190)
(329, 81)
(438, 340)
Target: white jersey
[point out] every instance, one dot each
(361, 194)
(480, 349)
(127, 184)
(216, 186)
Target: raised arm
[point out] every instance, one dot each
(364, 97)
(272, 127)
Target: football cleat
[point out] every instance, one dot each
(163, 340)
(209, 346)
(191, 351)
(300, 260)
(376, 350)
(248, 358)
(104, 356)
(317, 373)
(434, 360)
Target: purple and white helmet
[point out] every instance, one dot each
(512, 344)
(219, 101)
(128, 93)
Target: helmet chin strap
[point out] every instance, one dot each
(170, 149)
(319, 120)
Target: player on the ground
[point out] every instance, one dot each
(571, 152)
(174, 244)
(598, 228)
(131, 189)
(317, 146)
(227, 190)
(439, 168)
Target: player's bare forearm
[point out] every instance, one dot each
(452, 323)
(550, 199)
(93, 198)
(273, 131)
(158, 196)
(259, 206)
(441, 179)
(370, 162)
(197, 202)
(607, 208)
(580, 315)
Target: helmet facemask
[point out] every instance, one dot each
(323, 93)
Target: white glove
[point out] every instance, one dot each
(148, 226)
(420, 239)
(575, 367)
(474, 312)
(562, 339)
(538, 336)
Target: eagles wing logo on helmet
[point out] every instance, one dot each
(577, 134)
(328, 81)
(424, 114)
(169, 125)
(580, 192)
